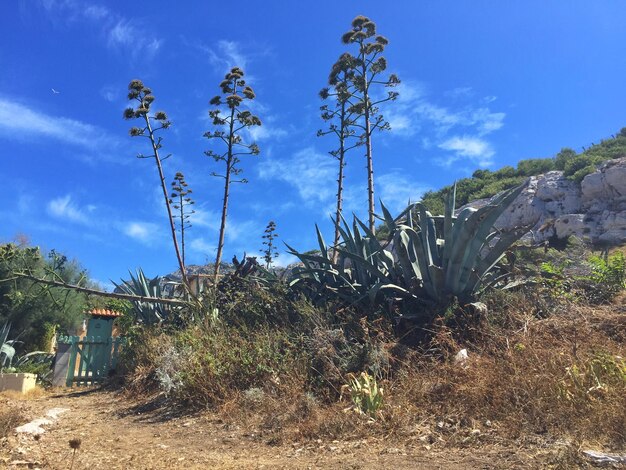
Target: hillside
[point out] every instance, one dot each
(575, 166)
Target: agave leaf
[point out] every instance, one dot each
(389, 220)
(495, 254)
(447, 226)
(321, 242)
(478, 227)
(410, 267)
(369, 267)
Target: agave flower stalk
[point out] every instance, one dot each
(144, 98)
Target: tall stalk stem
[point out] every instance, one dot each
(157, 159)
(229, 162)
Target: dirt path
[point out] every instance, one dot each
(116, 435)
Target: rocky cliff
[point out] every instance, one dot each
(594, 210)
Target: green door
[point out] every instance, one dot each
(100, 327)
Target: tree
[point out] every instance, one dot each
(367, 66)
(144, 98)
(229, 127)
(340, 117)
(270, 252)
(180, 201)
(33, 308)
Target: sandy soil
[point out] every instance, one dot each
(117, 434)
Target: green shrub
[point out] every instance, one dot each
(565, 155)
(607, 278)
(590, 377)
(365, 393)
(580, 166)
(535, 166)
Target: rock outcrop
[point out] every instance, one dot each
(594, 210)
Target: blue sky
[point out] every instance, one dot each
(484, 84)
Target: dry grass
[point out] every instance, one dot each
(33, 394)
(527, 379)
(10, 418)
(540, 369)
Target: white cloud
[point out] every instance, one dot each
(227, 55)
(284, 260)
(110, 93)
(144, 232)
(460, 92)
(19, 122)
(204, 218)
(119, 31)
(64, 208)
(415, 112)
(476, 149)
(486, 121)
(238, 231)
(259, 133)
(311, 173)
(126, 35)
(396, 190)
(96, 12)
(202, 246)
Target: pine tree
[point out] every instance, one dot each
(270, 252)
(229, 127)
(180, 201)
(367, 67)
(340, 117)
(144, 98)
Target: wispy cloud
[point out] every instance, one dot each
(396, 190)
(475, 149)
(311, 173)
(202, 246)
(205, 218)
(20, 122)
(461, 127)
(120, 32)
(223, 56)
(124, 34)
(265, 132)
(110, 93)
(144, 232)
(64, 208)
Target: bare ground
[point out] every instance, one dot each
(116, 433)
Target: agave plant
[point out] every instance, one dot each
(148, 313)
(430, 259)
(362, 268)
(7, 351)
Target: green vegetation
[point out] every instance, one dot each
(428, 265)
(365, 393)
(34, 309)
(486, 183)
(373, 311)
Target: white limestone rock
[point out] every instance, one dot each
(551, 205)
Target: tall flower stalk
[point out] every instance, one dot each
(153, 123)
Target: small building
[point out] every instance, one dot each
(101, 323)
